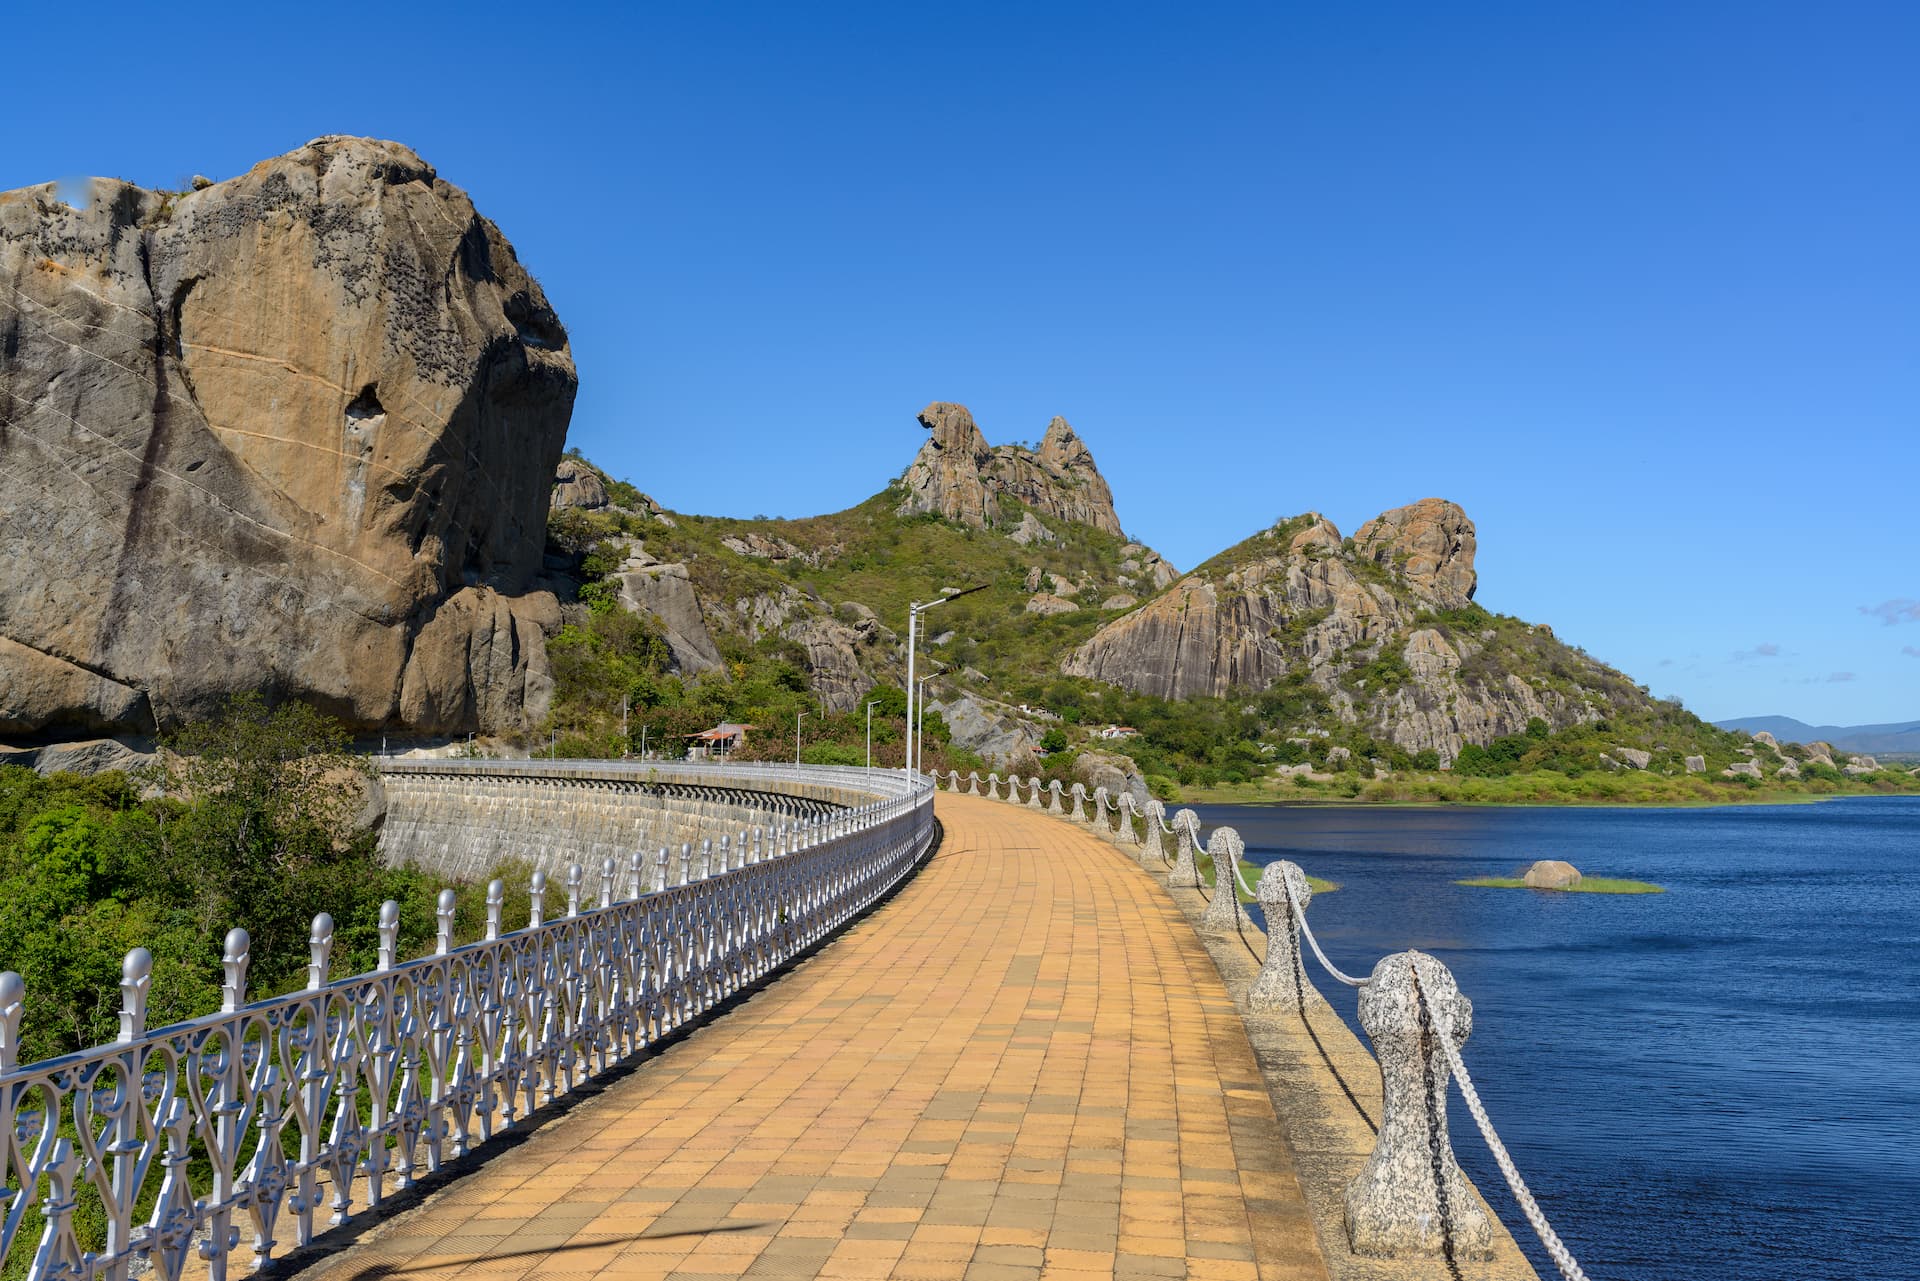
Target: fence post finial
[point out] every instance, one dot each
(319, 951)
(537, 899)
(13, 1002)
(575, 877)
(606, 881)
(634, 874)
(389, 934)
(496, 904)
(233, 964)
(443, 915)
(1411, 1201)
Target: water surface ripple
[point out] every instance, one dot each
(1720, 1082)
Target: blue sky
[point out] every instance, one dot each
(1638, 284)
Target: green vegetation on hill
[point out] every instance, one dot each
(252, 825)
(1286, 742)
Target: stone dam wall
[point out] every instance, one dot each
(462, 819)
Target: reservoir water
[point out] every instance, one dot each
(1720, 1082)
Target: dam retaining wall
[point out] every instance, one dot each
(463, 818)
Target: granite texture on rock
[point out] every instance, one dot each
(293, 432)
(958, 475)
(1299, 599)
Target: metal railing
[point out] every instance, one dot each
(1410, 1199)
(280, 1115)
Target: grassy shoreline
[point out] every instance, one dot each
(1542, 791)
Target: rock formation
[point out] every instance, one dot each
(1382, 623)
(292, 432)
(577, 485)
(959, 476)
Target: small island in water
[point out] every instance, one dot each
(1557, 876)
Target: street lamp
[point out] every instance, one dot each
(798, 717)
(870, 706)
(914, 610)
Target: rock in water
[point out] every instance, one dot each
(293, 432)
(1552, 874)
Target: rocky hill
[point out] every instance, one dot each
(291, 432)
(1382, 622)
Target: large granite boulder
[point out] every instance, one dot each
(1430, 544)
(1552, 874)
(293, 432)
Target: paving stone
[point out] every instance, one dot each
(977, 1081)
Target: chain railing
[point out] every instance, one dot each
(1410, 1200)
(286, 1115)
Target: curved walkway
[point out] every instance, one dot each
(1023, 1065)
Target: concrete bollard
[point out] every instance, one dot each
(1186, 867)
(1125, 834)
(973, 782)
(1079, 814)
(1033, 799)
(1054, 806)
(1411, 1201)
(1153, 849)
(1223, 914)
(993, 787)
(1283, 986)
(1100, 809)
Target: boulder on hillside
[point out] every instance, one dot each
(577, 485)
(84, 756)
(1766, 740)
(1430, 544)
(1821, 753)
(1696, 764)
(1634, 757)
(1112, 771)
(1047, 603)
(1788, 769)
(666, 592)
(988, 730)
(1030, 530)
(1742, 769)
(1866, 763)
(761, 546)
(293, 433)
(1552, 874)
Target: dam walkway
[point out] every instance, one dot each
(1024, 1064)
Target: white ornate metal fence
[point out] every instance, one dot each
(286, 1115)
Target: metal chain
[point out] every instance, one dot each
(1562, 1257)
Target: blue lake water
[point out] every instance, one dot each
(1722, 1081)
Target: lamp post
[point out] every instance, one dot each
(914, 610)
(798, 717)
(870, 706)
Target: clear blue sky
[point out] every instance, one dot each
(1636, 284)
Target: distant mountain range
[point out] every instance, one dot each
(1898, 737)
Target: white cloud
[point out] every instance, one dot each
(1901, 609)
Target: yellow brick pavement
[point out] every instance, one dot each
(1023, 1066)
